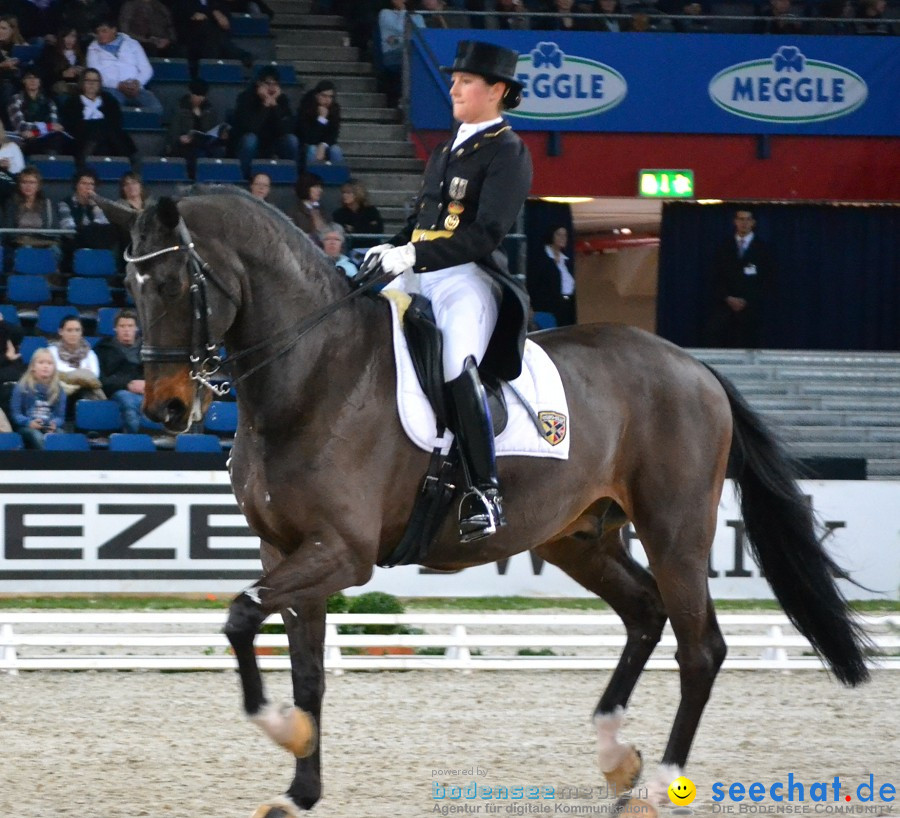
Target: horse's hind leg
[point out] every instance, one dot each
(601, 563)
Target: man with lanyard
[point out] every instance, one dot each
(473, 189)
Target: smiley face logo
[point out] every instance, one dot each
(682, 791)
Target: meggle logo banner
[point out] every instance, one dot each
(564, 86)
(788, 87)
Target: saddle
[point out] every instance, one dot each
(425, 342)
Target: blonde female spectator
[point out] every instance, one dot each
(30, 209)
(11, 164)
(38, 405)
(132, 193)
(356, 215)
(76, 364)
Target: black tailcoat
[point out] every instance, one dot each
(483, 183)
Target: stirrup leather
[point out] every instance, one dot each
(480, 514)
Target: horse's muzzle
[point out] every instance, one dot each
(169, 400)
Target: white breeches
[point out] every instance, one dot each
(466, 302)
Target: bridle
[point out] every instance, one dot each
(203, 353)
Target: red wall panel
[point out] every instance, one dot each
(725, 167)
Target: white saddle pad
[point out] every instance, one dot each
(539, 384)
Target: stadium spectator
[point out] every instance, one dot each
(9, 65)
(38, 405)
(356, 214)
(76, 364)
(11, 163)
(204, 30)
(510, 16)
(82, 15)
(94, 119)
(332, 240)
(261, 186)
(37, 18)
(79, 212)
(263, 122)
(31, 209)
(121, 369)
(123, 65)
(392, 36)
(319, 124)
(132, 193)
(607, 19)
(309, 216)
(196, 130)
(779, 18)
(551, 283)
(872, 14)
(61, 63)
(743, 269)
(438, 18)
(836, 15)
(563, 18)
(150, 23)
(12, 367)
(34, 118)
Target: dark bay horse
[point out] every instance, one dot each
(326, 476)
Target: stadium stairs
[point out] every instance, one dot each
(373, 137)
(842, 405)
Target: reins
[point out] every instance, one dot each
(204, 352)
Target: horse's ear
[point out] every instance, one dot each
(167, 212)
(119, 215)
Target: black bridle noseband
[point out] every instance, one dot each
(203, 354)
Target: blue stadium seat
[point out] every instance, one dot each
(109, 168)
(249, 25)
(93, 340)
(545, 320)
(54, 168)
(219, 170)
(27, 289)
(29, 344)
(221, 418)
(122, 442)
(140, 120)
(66, 442)
(10, 442)
(221, 71)
(34, 261)
(330, 174)
(10, 313)
(170, 70)
(89, 292)
(287, 74)
(164, 169)
(49, 317)
(87, 262)
(106, 317)
(281, 171)
(198, 443)
(27, 53)
(97, 416)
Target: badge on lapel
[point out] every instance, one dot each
(457, 189)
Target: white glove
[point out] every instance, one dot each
(377, 251)
(398, 260)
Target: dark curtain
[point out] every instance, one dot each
(837, 283)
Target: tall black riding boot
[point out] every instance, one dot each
(480, 510)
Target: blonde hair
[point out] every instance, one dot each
(29, 383)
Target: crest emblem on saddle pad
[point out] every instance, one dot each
(554, 426)
(458, 187)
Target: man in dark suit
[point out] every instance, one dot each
(743, 270)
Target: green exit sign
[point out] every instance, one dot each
(666, 184)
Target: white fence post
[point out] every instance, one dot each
(9, 651)
(333, 653)
(775, 653)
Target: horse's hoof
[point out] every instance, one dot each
(626, 774)
(636, 808)
(278, 808)
(289, 726)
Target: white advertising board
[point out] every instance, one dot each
(180, 531)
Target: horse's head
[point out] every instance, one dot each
(185, 307)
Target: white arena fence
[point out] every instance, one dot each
(193, 641)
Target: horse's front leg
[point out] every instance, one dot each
(295, 583)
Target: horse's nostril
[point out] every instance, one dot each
(174, 410)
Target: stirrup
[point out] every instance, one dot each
(480, 514)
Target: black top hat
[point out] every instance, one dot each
(493, 62)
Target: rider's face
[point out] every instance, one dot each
(474, 99)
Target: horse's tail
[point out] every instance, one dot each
(780, 526)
